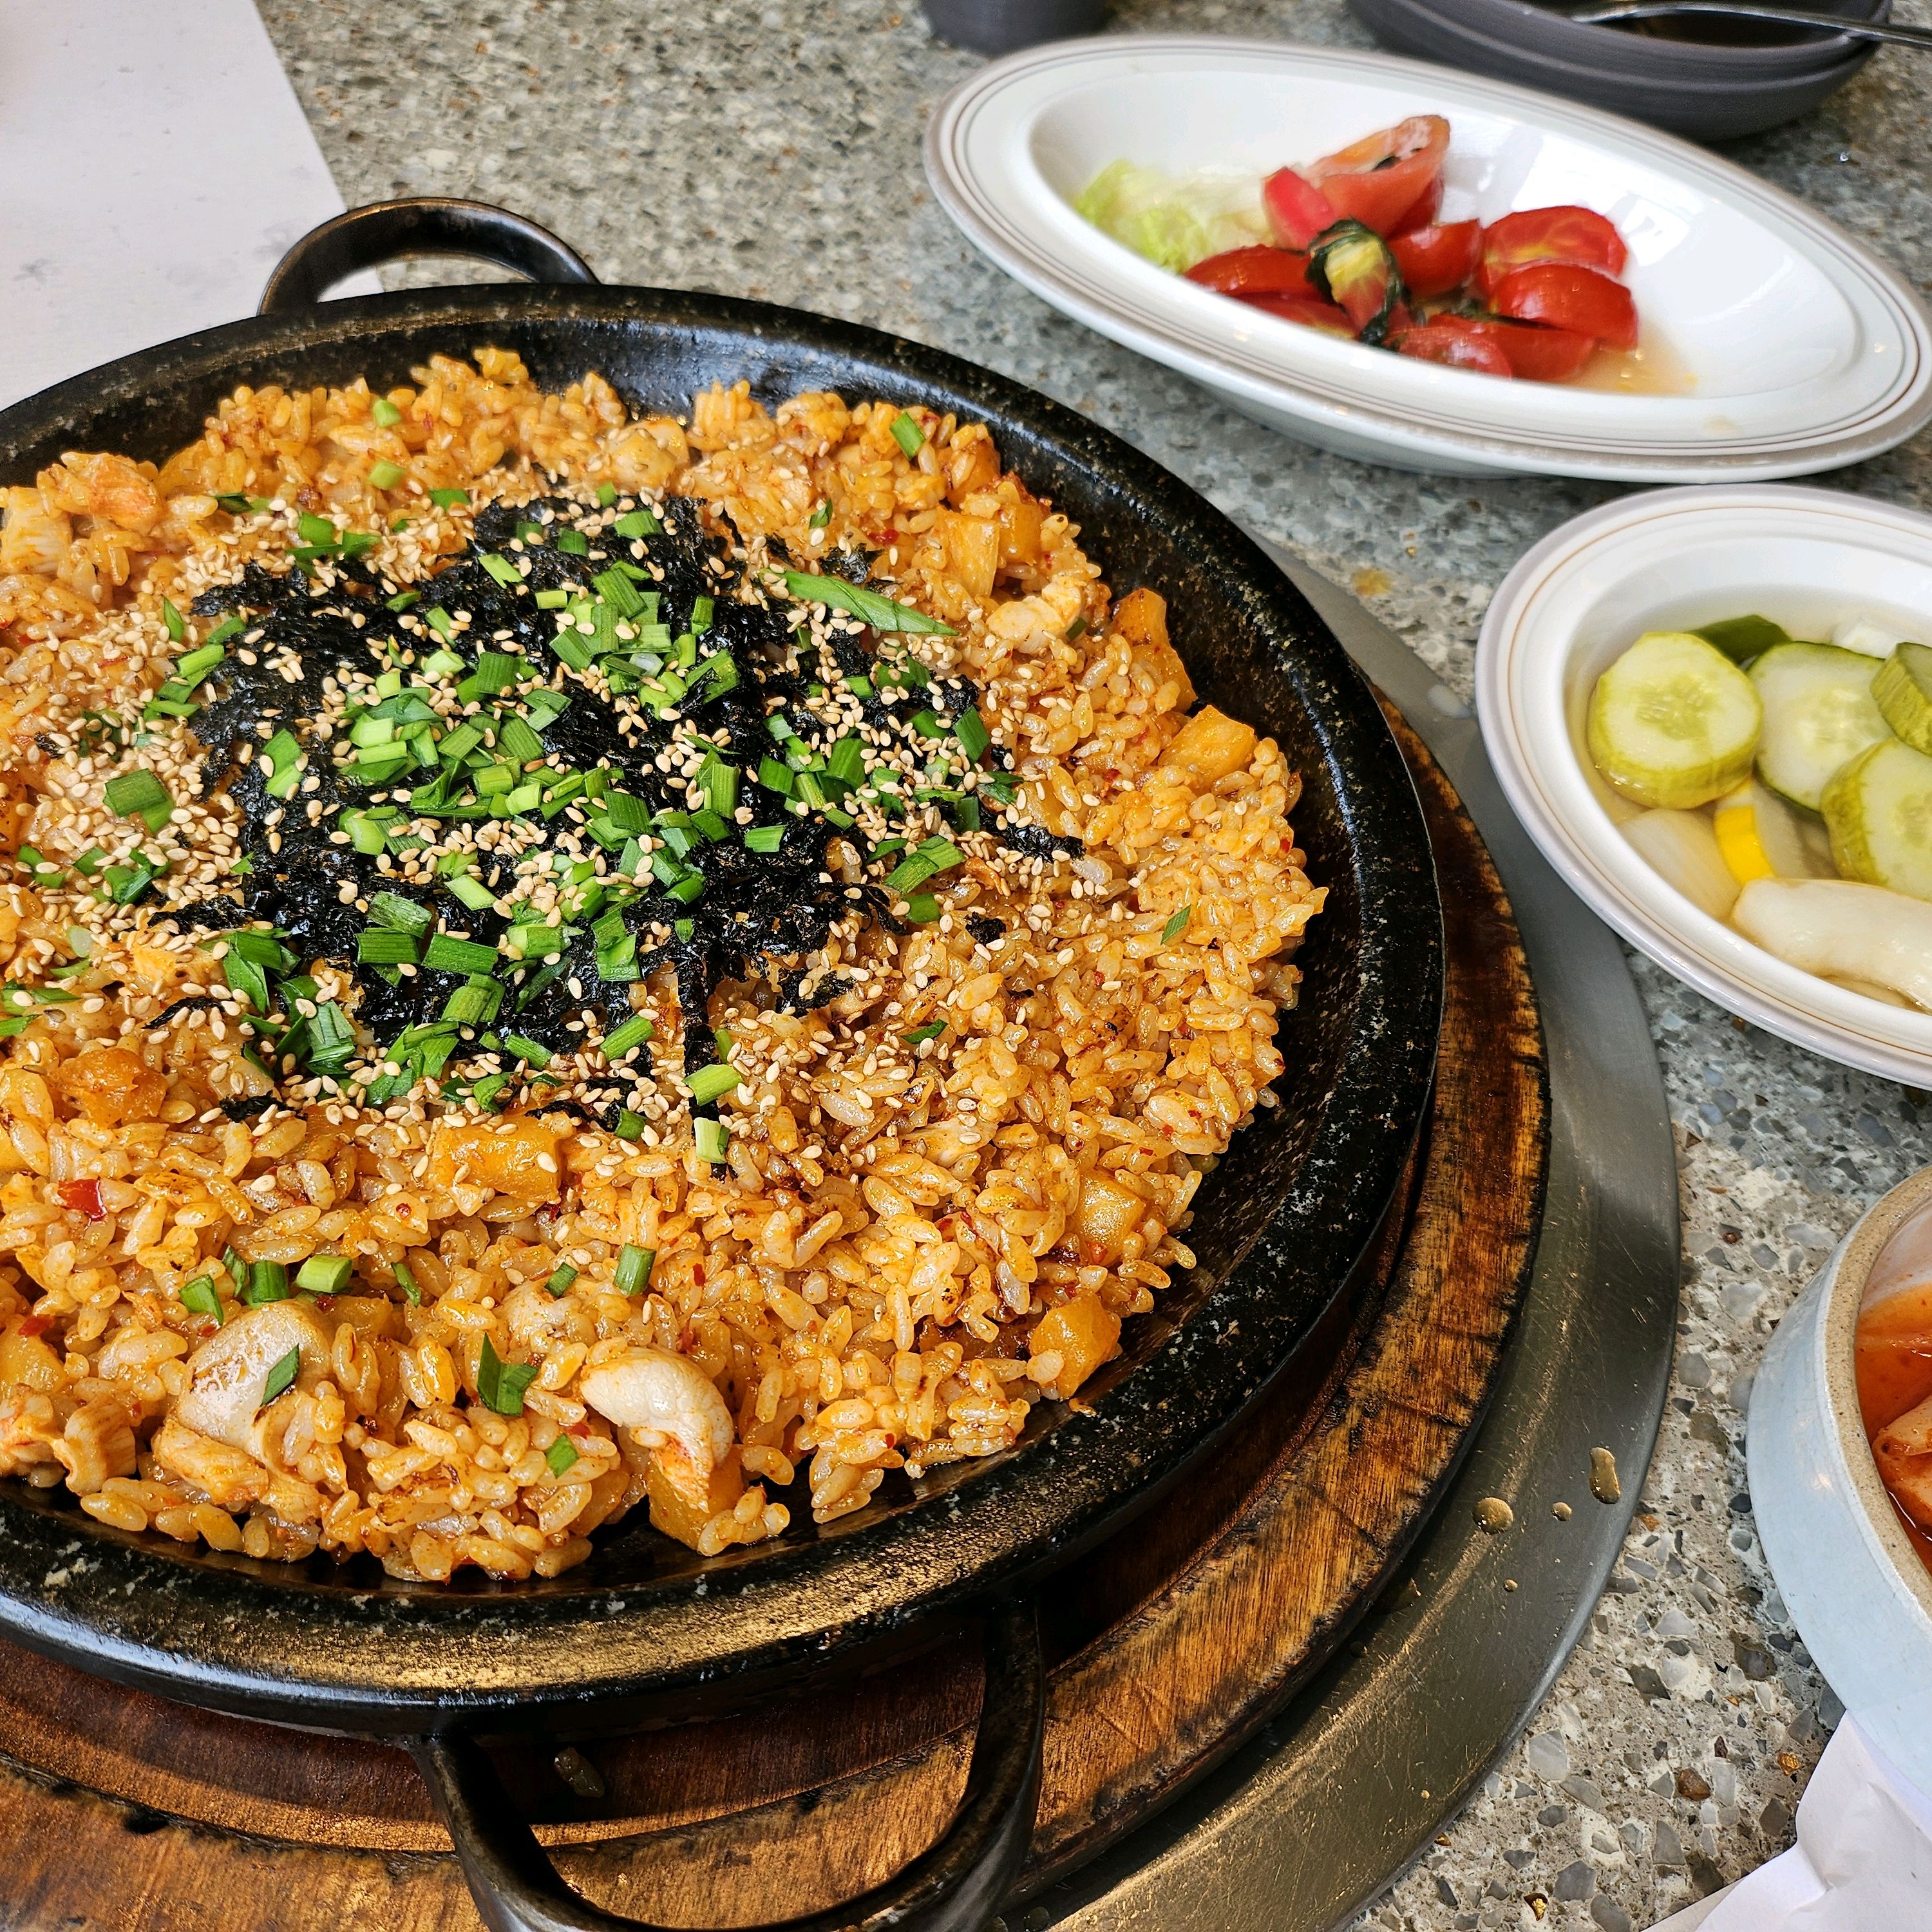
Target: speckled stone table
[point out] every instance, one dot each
(772, 150)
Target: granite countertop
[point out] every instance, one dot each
(724, 145)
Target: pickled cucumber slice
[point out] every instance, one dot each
(1878, 809)
(1903, 692)
(1742, 639)
(1673, 723)
(1819, 711)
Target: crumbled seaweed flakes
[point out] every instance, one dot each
(555, 751)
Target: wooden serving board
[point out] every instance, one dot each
(1171, 1645)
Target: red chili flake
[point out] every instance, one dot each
(698, 1274)
(84, 1198)
(36, 1325)
(582, 1431)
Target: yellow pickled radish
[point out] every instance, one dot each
(1738, 840)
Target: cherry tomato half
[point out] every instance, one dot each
(1310, 314)
(1565, 296)
(1458, 348)
(1379, 178)
(1258, 271)
(1564, 234)
(1435, 260)
(1297, 210)
(1533, 354)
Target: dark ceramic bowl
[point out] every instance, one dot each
(1705, 89)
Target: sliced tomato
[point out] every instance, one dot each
(1310, 314)
(1297, 210)
(1458, 348)
(1423, 212)
(1564, 234)
(84, 1198)
(1534, 354)
(1433, 261)
(1565, 296)
(1378, 179)
(1258, 271)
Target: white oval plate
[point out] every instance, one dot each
(1805, 351)
(1670, 560)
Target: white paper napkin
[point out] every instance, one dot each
(1862, 1863)
(154, 164)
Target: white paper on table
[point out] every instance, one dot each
(1862, 1863)
(156, 165)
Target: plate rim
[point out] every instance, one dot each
(1341, 408)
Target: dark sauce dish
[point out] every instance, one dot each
(647, 1627)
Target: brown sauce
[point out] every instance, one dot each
(1893, 1363)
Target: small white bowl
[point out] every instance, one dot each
(1856, 1588)
(1672, 560)
(1805, 351)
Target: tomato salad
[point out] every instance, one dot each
(1352, 245)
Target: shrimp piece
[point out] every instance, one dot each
(671, 1405)
(227, 1373)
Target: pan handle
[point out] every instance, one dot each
(955, 1886)
(386, 231)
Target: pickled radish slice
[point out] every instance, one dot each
(1842, 930)
(1682, 849)
(1673, 723)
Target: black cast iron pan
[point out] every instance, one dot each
(646, 1629)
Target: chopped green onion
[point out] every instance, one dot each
(606, 495)
(703, 610)
(496, 671)
(391, 909)
(927, 725)
(473, 892)
(267, 1281)
(907, 434)
(384, 413)
(634, 1032)
(930, 1030)
(970, 728)
(402, 600)
(1177, 925)
(172, 618)
(618, 591)
(385, 476)
(1074, 629)
(720, 783)
(199, 1295)
(134, 794)
(316, 531)
(325, 1274)
(502, 1383)
(459, 955)
(633, 1272)
(881, 613)
(365, 834)
(820, 517)
(558, 1283)
(713, 1137)
(281, 1376)
(198, 664)
(562, 1454)
(383, 946)
(573, 543)
(637, 525)
(537, 1055)
(449, 499)
(923, 909)
(408, 1281)
(516, 741)
(475, 1002)
(763, 837)
(847, 762)
(712, 1083)
(500, 568)
(552, 600)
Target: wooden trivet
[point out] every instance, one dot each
(1174, 1642)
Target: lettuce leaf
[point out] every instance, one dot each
(1173, 223)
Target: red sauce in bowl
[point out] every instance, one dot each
(1894, 1375)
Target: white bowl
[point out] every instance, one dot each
(1807, 351)
(1855, 1586)
(1672, 560)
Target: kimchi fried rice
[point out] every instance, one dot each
(554, 960)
